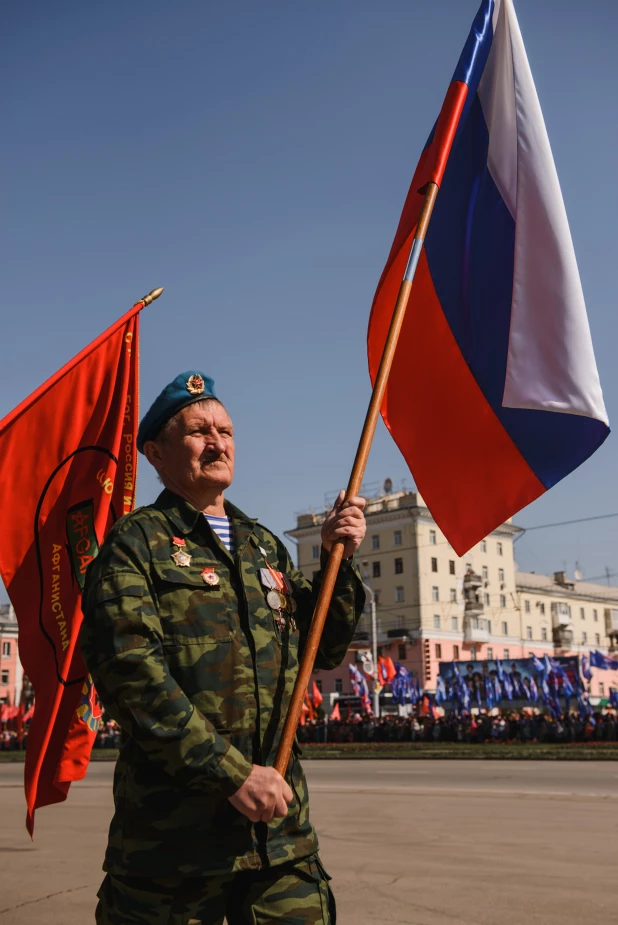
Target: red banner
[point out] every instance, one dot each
(67, 472)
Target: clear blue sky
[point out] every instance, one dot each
(253, 158)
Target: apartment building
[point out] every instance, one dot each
(433, 606)
(11, 673)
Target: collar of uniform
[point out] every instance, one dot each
(242, 526)
(182, 514)
(184, 517)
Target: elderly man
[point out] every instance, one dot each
(194, 622)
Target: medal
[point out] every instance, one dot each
(181, 557)
(273, 599)
(279, 596)
(209, 575)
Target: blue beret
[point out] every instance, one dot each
(185, 389)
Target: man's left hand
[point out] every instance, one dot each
(346, 522)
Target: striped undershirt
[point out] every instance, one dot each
(222, 526)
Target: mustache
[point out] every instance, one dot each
(211, 457)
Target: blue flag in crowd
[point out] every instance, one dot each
(538, 664)
(606, 662)
(587, 673)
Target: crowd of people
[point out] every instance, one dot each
(511, 727)
(523, 727)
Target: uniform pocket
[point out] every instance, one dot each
(316, 870)
(192, 612)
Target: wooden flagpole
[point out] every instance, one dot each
(354, 485)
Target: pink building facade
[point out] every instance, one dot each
(11, 674)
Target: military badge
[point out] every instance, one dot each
(89, 709)
(181, 557)
(195, 384)
(209, 575)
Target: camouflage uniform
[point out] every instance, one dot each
(199, 677)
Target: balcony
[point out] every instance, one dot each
(563, 637)
(473, 602)
(475, 630)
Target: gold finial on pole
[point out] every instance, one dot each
(151, 296)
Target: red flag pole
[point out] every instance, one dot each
(354, 485)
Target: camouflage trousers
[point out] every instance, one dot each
(295, 893)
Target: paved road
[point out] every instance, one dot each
(419, 842)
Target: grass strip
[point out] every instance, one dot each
(538, 751)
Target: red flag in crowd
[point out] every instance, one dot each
(386, 670)
(316, 695)
(67, 472)
(336, 714)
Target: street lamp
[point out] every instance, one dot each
(374, 635)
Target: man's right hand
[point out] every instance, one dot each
(263, 796)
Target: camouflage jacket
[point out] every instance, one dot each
(199, 677)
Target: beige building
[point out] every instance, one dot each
(433, 606)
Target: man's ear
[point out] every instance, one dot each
(152, 452)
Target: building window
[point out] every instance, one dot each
(432, 538)
(503, 601)
(485, 573)
(505, 628)
(318, 684)
(338, 686)
(528, 632)
(483, 545)
(454, 624)
(506, 654)
(402, 652)
(435, 594)
(486, 599)
(375, 542)
(315, 552)
(582, 613)
(438, 650)
(398, 566)
(544, 633)
(527, 606)
(376, 596)
(434, 565)
(436, 621)
(451, 566)
(472, 653)
(399, 595)
(489, 627)
(542, 608)
(597, 639)
(453, 593)
(584, 639)
(595, 616)
(468, 567)
(397, 538)
(376, 569)
(499, 548)
(601, 689)
(6, 648)
(490, 653)
(399, 622)
(5, 677)
(455, 652)
(501, 575)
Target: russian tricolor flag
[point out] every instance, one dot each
(494, 394)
